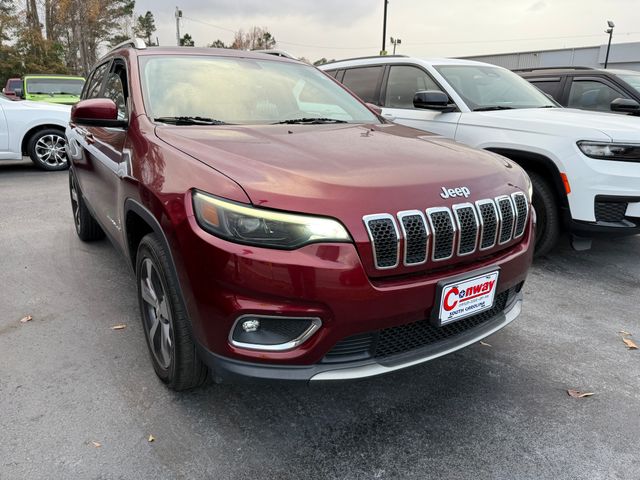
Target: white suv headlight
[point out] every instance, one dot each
(622, 152)
(261, 227)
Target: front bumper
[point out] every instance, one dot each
(232, 371)
(223, 281)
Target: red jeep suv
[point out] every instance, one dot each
(279, 229)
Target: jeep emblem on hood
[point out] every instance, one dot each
(455, 192)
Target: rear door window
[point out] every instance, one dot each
(550, 86)
(592, 95)
(364, 82)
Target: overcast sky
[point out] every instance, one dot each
(349, 28)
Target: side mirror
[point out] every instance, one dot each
(433, 100)
(625, 105)
(97, 112)
(374, 108)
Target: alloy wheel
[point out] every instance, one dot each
(50, 150)
(156, 314)
(75, 202)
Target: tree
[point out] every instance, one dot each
(187, 41)
(145, 27)
(256, 38)
(322, 61)
(217, 44)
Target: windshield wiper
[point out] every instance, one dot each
(190, 121)
(310, 120)
(549, 106)
(492, 107)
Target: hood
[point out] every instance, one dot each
(51, 107)
(564, 122)
(335, 169)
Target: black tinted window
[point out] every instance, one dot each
(550, 87)
(364, 82)
(404, 82)
(592, 95)
(95, 81)
(115, 88)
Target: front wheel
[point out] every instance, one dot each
(46, 148)
(547, 213)
(164, 319)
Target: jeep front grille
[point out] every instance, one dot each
(444, 233)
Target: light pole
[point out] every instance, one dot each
(610, 32)
(384, 29)
(178, 16)
(395, 41)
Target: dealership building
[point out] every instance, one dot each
(622, 55)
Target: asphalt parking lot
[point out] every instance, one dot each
(502, 411)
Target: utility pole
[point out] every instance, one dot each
(384, 29)
(178, 17)
(395, 42)
(610, 32)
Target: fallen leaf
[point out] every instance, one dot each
(26, 319)
(578, 394)
(96, 444)
(151, 438)
(120, 326)
(624, 333)
(485, 344)
(630, 344)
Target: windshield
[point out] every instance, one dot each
(488, 88)
(13, 84)
(632, 79)
(244, 91)
(53, 86)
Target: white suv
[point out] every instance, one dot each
(584, 166)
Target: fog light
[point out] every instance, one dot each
(251, 325)
(272, 333)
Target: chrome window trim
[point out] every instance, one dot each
(460, 206)
(315, 325)
(409, 213)
(526, 215)
(513, 226)
(379, 216)
(488, 201)
(430, 211)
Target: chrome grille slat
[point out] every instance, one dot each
(468, 228)
(385, 238)
(446, 232)
(443, 230)
(522, 213)
(416, 234)
(489, 223)
(507, 214)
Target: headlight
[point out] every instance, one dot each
(622, 152)
(264, 228)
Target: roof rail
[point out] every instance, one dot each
(276, 53)
(533, 69)
(365, 58)
(136, 43)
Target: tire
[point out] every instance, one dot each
(165, 321)
(547, 213)
(47, 149)
(86, 226)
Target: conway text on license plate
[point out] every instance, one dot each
(467, 297)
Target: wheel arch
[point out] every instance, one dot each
(33, 130)
(540, 164)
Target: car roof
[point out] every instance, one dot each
(203, 51)
(53, 75)
(402, 59)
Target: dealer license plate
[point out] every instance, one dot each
(467, 297)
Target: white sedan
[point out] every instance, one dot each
(34, 129)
